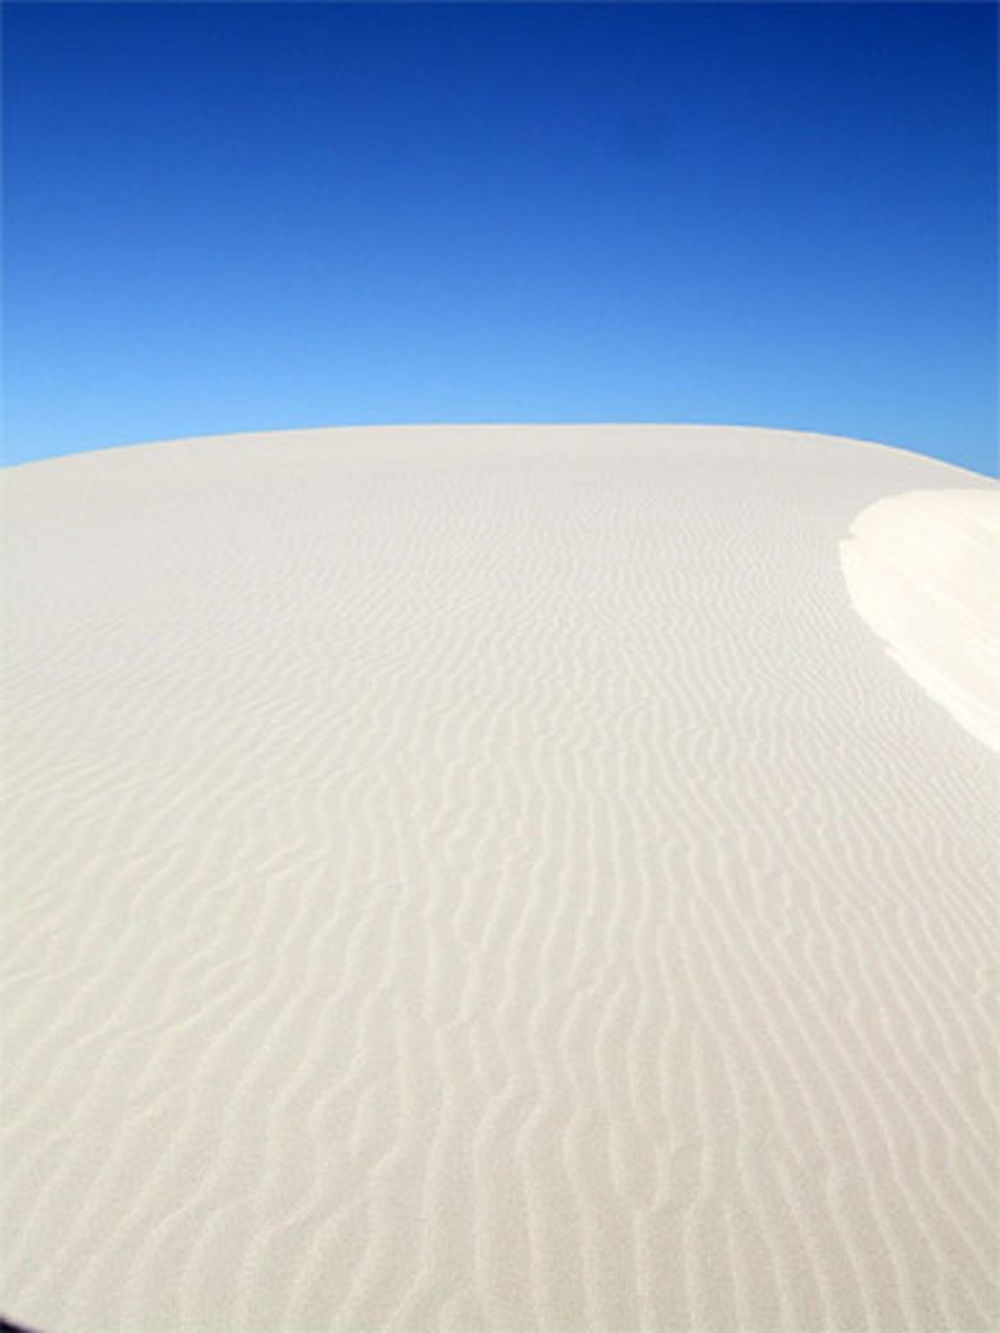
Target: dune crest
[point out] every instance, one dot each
(923, 569)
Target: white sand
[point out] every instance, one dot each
(924, 570)
(492, 878)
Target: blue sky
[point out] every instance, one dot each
(243, 217)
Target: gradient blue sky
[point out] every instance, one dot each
(242, 217)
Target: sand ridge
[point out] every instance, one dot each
(485, 878)
(923, 569)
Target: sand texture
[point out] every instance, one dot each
(498, 878)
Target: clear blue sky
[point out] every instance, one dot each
(242, 217)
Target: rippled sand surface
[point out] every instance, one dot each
(490, 879)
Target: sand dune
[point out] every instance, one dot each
(491, 878)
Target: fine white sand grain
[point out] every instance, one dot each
(492, 878)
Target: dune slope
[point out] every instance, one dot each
(923, 568)
(485, 878)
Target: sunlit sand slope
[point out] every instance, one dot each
(485, 879)
(923, 569)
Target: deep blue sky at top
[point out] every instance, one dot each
(240, 217)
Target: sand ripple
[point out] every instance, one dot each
(485, 879)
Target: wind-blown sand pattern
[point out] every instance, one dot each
(484, 879)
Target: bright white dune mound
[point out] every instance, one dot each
(924, 570)
(491, 879)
